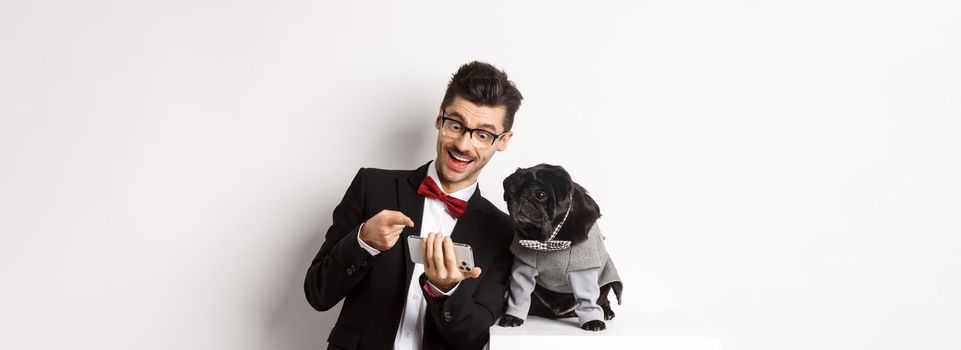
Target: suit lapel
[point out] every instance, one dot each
(412, 205)
(465, 231)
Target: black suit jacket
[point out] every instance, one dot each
(374, 288)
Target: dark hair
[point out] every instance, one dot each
(484, 85)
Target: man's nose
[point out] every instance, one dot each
(464, 143)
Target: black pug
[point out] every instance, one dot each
(561, 268)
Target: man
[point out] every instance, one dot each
(390, 302)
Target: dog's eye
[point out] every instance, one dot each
(540, 195)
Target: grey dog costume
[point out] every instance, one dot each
(580, 269)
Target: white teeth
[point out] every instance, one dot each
(460, 158)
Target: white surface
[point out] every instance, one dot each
(646, 329)
(596, 342)
(782, 172)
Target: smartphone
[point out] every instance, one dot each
(462, 253)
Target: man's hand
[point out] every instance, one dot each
(381, 231)
(440, 263)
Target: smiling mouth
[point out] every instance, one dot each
(457, 161)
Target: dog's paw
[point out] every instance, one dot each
(510, 321)
(594, 326)
(608, 313)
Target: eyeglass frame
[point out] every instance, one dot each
(469, 131)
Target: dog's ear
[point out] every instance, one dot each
(583, 216)
(592, 210)
(510, 184)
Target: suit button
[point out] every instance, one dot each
(350, 270)
(363, 263)
(447, 316)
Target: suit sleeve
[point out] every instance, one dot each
(464, 320)
(341, 262)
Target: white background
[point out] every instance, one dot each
(783, 173)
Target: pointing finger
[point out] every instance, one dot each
(398, 218)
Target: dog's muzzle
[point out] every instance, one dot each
(550, 244)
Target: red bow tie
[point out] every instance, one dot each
(428, 188)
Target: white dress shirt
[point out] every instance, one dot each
(410, 332)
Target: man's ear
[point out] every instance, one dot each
(437, 122)
(502, 144)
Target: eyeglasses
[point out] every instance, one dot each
(480, 138)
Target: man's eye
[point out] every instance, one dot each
(456, 126)
(483, 135)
